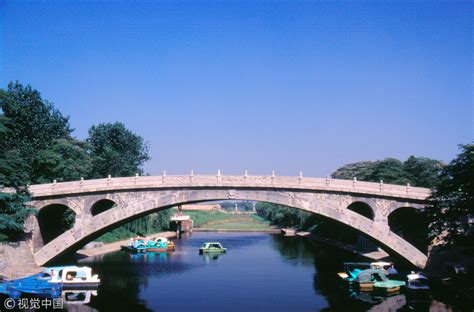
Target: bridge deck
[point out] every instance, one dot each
(197, 181)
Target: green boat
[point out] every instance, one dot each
(375, 279)
(212, 247)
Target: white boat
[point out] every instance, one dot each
(73, 277)
(417, 281)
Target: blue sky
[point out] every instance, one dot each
(257, 85)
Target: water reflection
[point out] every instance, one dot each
(73, 297)
(208, 258)
(260, 272)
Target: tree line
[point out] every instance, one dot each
(38, 146)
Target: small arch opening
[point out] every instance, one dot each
(363, 209)
(101, 206)
(54, 220)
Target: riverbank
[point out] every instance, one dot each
(97, 250)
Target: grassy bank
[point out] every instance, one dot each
(217, 220)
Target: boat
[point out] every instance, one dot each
(73, 277)
(417, 282)
(160, 244)
(382, 265)
(136, 245)
(389, 286)
(376, 279)
(212, 247)
(351, 270)
(36, 285)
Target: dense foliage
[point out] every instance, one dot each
(38, 147)
(147, 225)
(418, 171)
(284, 216)
(452, 203)
(117, 151)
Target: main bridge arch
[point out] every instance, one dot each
(135, 202)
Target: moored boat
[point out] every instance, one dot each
(36, 285)
(73, 277)
(351, 270)
(136, 245)
(417, 282)
(160, 244)
(389, 286)
(382, 265)
(212, 247)
(376, 279)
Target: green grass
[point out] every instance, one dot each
(202, 217)
(237, 226)
(217, 220)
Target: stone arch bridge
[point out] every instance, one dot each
(133, 197)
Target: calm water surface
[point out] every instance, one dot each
(260, 272)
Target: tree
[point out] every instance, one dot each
(116, 150)
(452, 202)
(31, 133)
(389, 170)
(422, 171)
(33, 122)
(13, 214)
(64, 160)
(418, 171)
(361, 170)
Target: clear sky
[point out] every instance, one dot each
(257, 85)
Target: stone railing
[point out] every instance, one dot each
(219, 181)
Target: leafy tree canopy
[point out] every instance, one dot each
(452, 202)
(418, 171)
(64, 160)
(116, 150)
(33, 122)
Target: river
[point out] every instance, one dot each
(260, 272)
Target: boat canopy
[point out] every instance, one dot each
(371, 275)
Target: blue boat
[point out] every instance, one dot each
(136, 246)
(36, 285)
